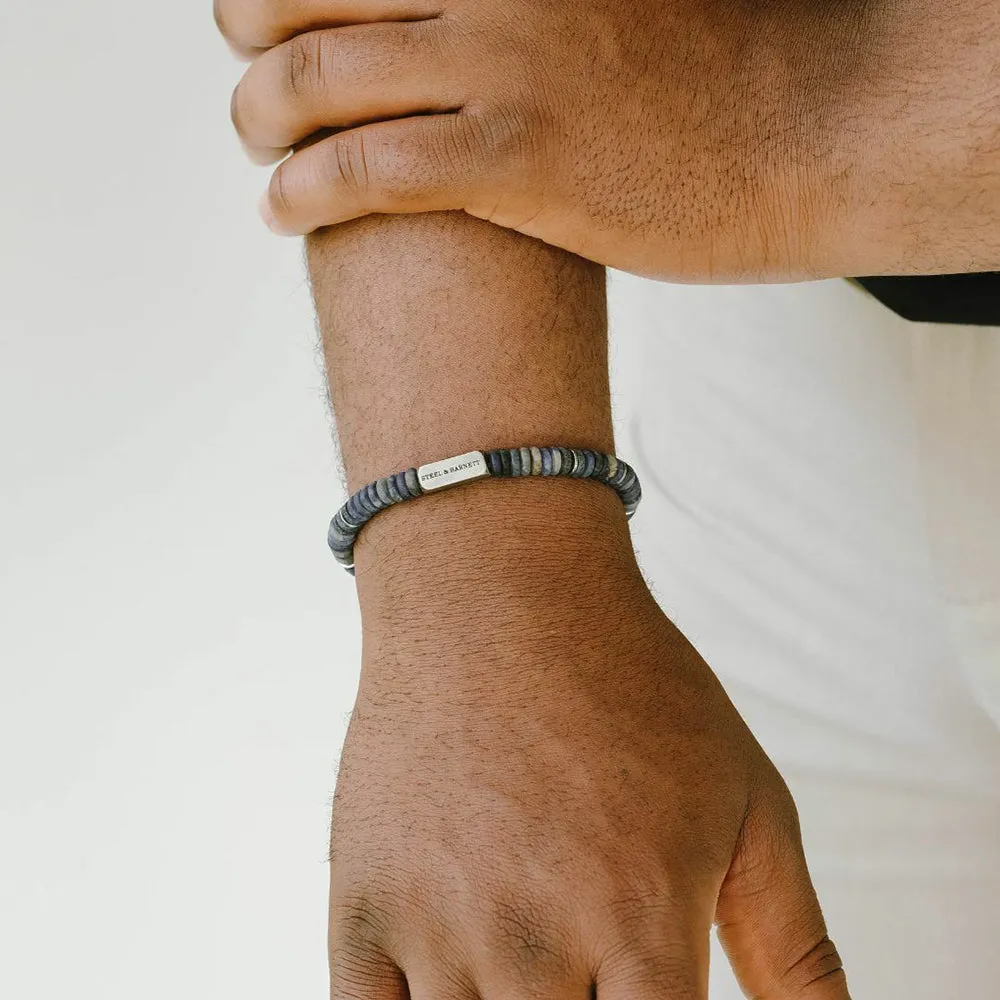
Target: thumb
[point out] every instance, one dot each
(769, 919)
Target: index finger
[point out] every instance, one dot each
(250, 26)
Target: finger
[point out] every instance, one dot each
(424, 164)
(341, 77)
(525, 944)
(673, 970)
(241, 51)
(770, 921)
(251, 25)
(376, 978)
(360, 968)
(440, 983)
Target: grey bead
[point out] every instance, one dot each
(346, 522)
(493, 461)
(413, 483)
(589, 460)
(360, 500)
(338, 538)
(506, 469)
(401, 488)
(515, 461)
(390, 485)
(546, 461)
(345, 558)
(382, 489)
(525, 461)
(536, 461)
(557, 460)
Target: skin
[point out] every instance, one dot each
(544, 791)
(694, 140)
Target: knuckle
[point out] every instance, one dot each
(303, 65)
(821, 963)
(511, 132)
(238, 108)
(360, 922)
(280, 195)
(350, 163)
(359, 944)
(234, 109)
(449, 154)
(669, 972)
(220, 11)
(526, 939)
(784, 810)
(240, 22)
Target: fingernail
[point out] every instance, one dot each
(267, 214)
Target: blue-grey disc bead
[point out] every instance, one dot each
(505, 466)
(566, 466)
(536, 460)
(412, 483)
(345, 558)
(525, 461)
(339, 544)
(578, 462)
(345, 521)
(600, 466)
(382, 489)
(399, 485)
(515, 461)
(546, 461)
(334, 539)
(338, 537)
(361, 502)
(493, 461)
(390, 485)
(589, 461)
(371, 498)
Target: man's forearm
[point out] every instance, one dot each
(442, 334)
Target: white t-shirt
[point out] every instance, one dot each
(807, 432)
(821, 518)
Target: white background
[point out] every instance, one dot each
(178, 650)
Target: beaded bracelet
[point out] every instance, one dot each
(580, 463)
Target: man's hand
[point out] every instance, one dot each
(693, 140)
(544, 790)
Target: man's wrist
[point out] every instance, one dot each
(482, 555)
